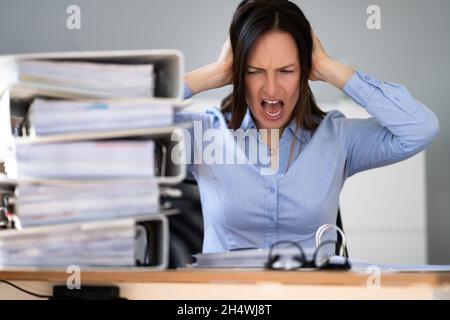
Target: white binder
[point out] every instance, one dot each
(169, 68)
(157, 233)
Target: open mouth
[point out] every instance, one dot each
(272, 109)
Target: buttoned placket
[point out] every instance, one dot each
(271, 210)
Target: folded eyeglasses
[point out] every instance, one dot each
(289, 255)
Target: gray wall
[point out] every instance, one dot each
(412, 48)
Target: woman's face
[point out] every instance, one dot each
(273, 80)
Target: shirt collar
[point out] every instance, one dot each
(303, 135)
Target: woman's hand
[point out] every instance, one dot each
(214, 75)
(225, 62)
(319, 59)
(325, 68)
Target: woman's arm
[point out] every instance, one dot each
(214, 75)
(209, 77)
(401, 126)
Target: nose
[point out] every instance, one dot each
(270, 86)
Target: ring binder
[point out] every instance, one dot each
(326, 227)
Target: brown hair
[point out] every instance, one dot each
(252, 19)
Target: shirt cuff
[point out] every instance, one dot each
(360, 87)
(187, 92)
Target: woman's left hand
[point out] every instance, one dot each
(327, 69)
(319, 59)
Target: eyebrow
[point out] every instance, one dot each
(291, 65)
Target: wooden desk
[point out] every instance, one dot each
(238, 284)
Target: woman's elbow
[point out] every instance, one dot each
(430, 128)
(423, 136)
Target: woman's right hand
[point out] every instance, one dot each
(225, 62)
(214, 75)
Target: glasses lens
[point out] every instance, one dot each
(324, 252)
(288, 255)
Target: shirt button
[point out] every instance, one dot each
(272, 190)
(367, 78)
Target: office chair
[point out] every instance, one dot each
(186, 228)
(339, 238)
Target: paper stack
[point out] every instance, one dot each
(242, 258)
(62, 202)
(97, 78)
(109, 243)
(47, 117)
(258, 258)
(110, 159)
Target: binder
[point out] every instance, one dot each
(150, 246)
(168, 69)
(60, 202)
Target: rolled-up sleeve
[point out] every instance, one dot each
(400, 128)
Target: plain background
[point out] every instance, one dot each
(412, 48)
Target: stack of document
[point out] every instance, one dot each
(48, 117)
(88, 141)
(247, 258)
(106, 244)
(117, 80)
(111, 159)
(251, 258)
(57, 202)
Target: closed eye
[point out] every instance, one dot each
(254, 72)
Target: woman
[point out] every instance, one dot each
(269, 57)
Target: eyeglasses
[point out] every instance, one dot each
(289, 255)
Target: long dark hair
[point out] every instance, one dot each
(252, 19)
